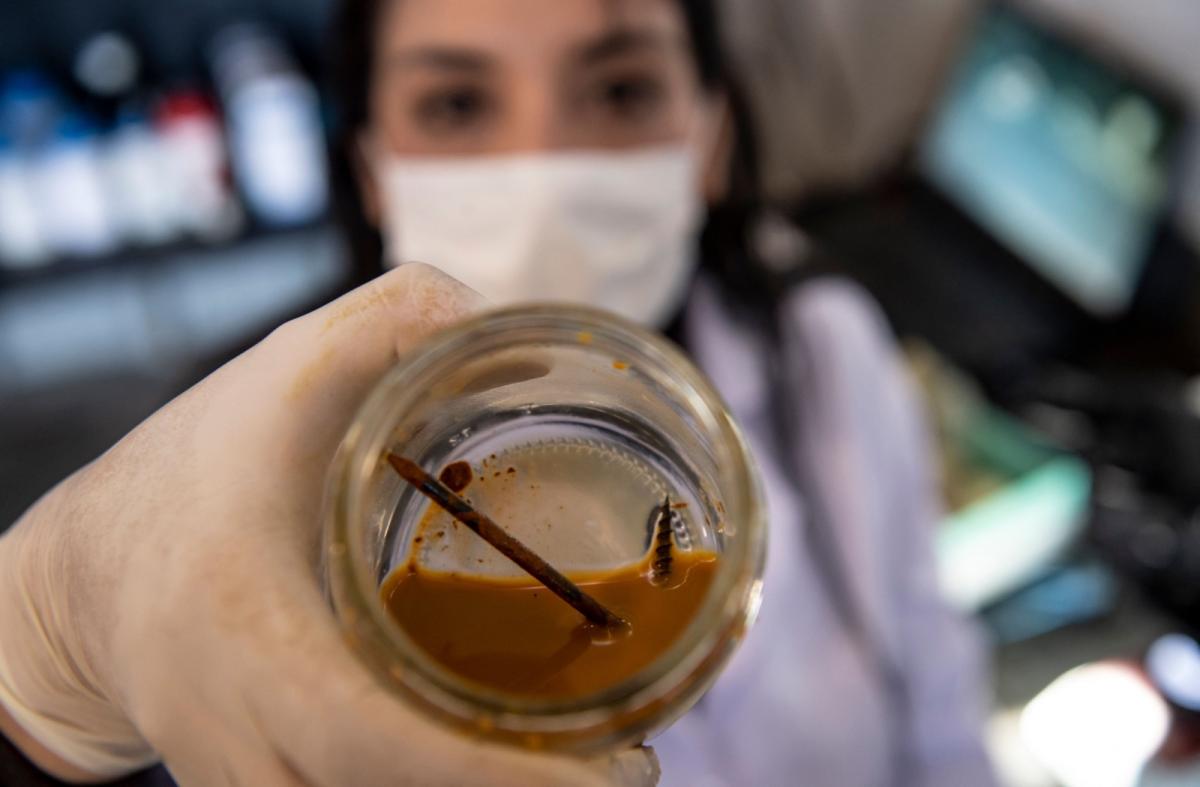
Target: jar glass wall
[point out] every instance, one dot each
(577, 426)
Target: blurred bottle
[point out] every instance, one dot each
(29, 108)
(21, 242)
(194, 167)
(274, 122)
(69, 192)
(108, 67)
(143, 198)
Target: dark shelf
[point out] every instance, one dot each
(144, 257)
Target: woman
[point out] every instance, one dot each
(163, 601)
(579, 152)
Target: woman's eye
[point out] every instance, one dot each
(631, 97)
(453, 109)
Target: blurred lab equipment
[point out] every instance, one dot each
(194, 162)
(274, 125)
(69, 192)
(1031, 242)
(133, 250)
(143, 201)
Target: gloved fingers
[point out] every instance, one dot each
(408, 302)
(321, 707)
(380, 742)
(265, 768)
(342, 348)
(228, 756)
(636, 767)
(264, 771)
(312, 373)
(312, 700)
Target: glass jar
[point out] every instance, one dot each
(604, 419)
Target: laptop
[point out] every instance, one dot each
(1032, 211)
(1062, 157)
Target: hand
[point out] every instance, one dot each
(164, 600)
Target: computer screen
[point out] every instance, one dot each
(1064, 160)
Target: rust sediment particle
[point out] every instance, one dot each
(456, 475)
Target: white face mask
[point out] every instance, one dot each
(614, 230)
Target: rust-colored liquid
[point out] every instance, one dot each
(514, 635)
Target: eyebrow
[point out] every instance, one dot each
(624, 41)
(445, 58)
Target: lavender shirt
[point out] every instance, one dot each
(803, 701)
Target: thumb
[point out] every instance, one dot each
(632, 768)
(330, 358)
(404, 304)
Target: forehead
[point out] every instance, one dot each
(532, 29)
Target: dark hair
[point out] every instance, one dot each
(352, 54)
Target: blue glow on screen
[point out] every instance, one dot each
(1062, 160)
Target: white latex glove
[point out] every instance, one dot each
(164, 600)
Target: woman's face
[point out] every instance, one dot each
(477, 77)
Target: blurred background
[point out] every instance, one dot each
(1031, 228)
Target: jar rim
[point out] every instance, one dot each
(730, 602)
